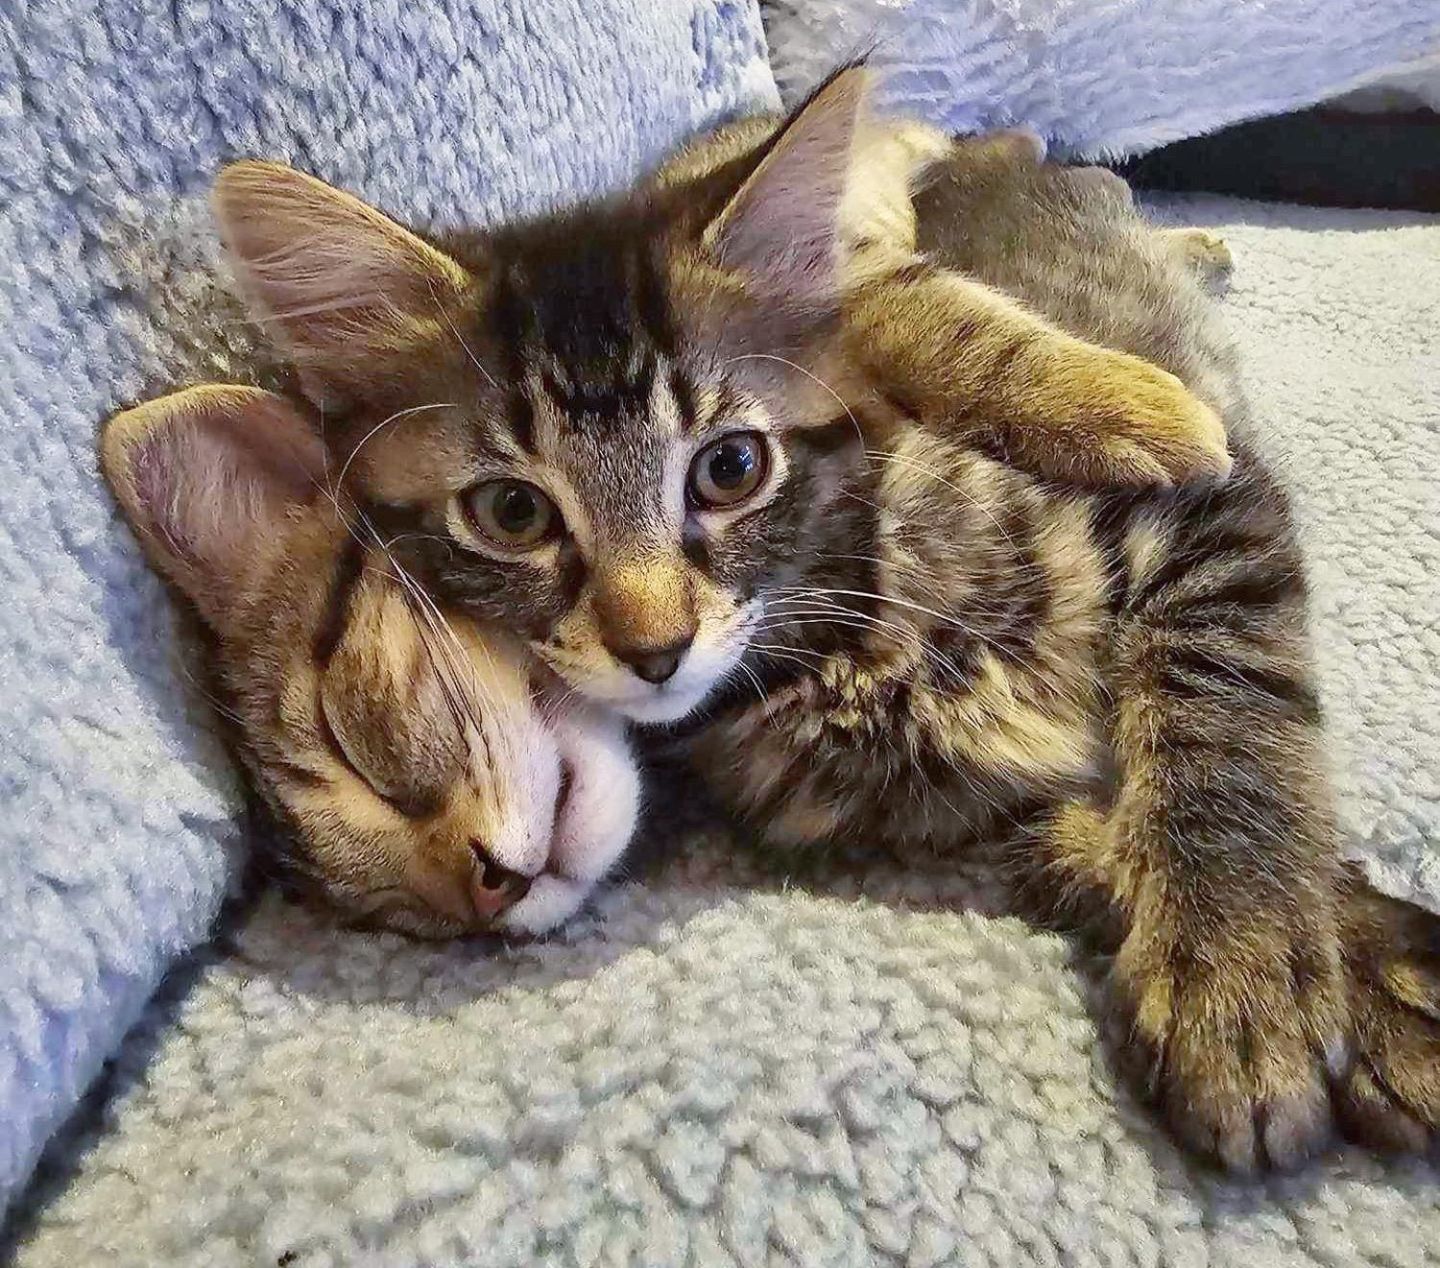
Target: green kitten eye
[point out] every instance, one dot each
(512, 513)
(729, 471)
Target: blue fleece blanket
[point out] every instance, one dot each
(118, 828)
(1102, 77)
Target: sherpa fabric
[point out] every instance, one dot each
(864, 1063)
(1102, 77)
(116, 816)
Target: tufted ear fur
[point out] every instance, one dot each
(347, 287)
(207, 477)
(834, 184)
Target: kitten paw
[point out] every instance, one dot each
(595, 817)
(1148, 429)
(1238, 1041)
(1389, 1098)
(548, 903)
(1205, 252)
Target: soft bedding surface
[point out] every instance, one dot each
(864, 1064)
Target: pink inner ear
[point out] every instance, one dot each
(206, 506)
(214, 483)
(782, 229)
(338, 276)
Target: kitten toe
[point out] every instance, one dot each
(1236, 1048)
(1152, 430)
(1389, 1098)
(1246, 1117)
(1205, 252)
(1372, 1116)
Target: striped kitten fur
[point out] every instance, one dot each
(773, 447)
(589, 370)
(416, 780)
(1117, 684)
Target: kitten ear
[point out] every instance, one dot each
(347, 286)
(205, 477)
(833, 179)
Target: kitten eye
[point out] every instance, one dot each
(512, 513)
(729, 471)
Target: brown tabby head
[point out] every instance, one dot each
(583, 428)
(616, 430)
(421, 783)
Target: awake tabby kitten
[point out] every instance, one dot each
(417, 782)
(753, 428)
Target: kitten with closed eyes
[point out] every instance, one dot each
(417, 778)
(773, 424)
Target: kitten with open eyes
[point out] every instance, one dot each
(417, 780)
(592, 428)
(774, 414)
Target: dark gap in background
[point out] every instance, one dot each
(1324, 157)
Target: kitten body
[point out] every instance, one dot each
(1119, 684)
(984, 597)
(760, 449)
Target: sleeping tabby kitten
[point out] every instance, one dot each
(753, 430)
(417, 782)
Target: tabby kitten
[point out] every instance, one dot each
(754, 430)
(610, 429)
(417, 782)
(1117, 683)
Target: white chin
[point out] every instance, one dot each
(672, 701)
(665, 705)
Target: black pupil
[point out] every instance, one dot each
(516, 508)
(732, 465)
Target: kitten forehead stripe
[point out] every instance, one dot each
(652, 304)
(512, 320)
(682, 391)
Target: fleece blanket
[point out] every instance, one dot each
(1102, 78)
(117, 817)
(864, 1063)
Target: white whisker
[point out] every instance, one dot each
(385, 422)
(755, 682)
(814, 378)
(915, 464)
(942, 617)
(459, 338)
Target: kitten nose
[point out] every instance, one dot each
(654, 664)
(494, 888)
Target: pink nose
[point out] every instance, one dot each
(494, 888)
